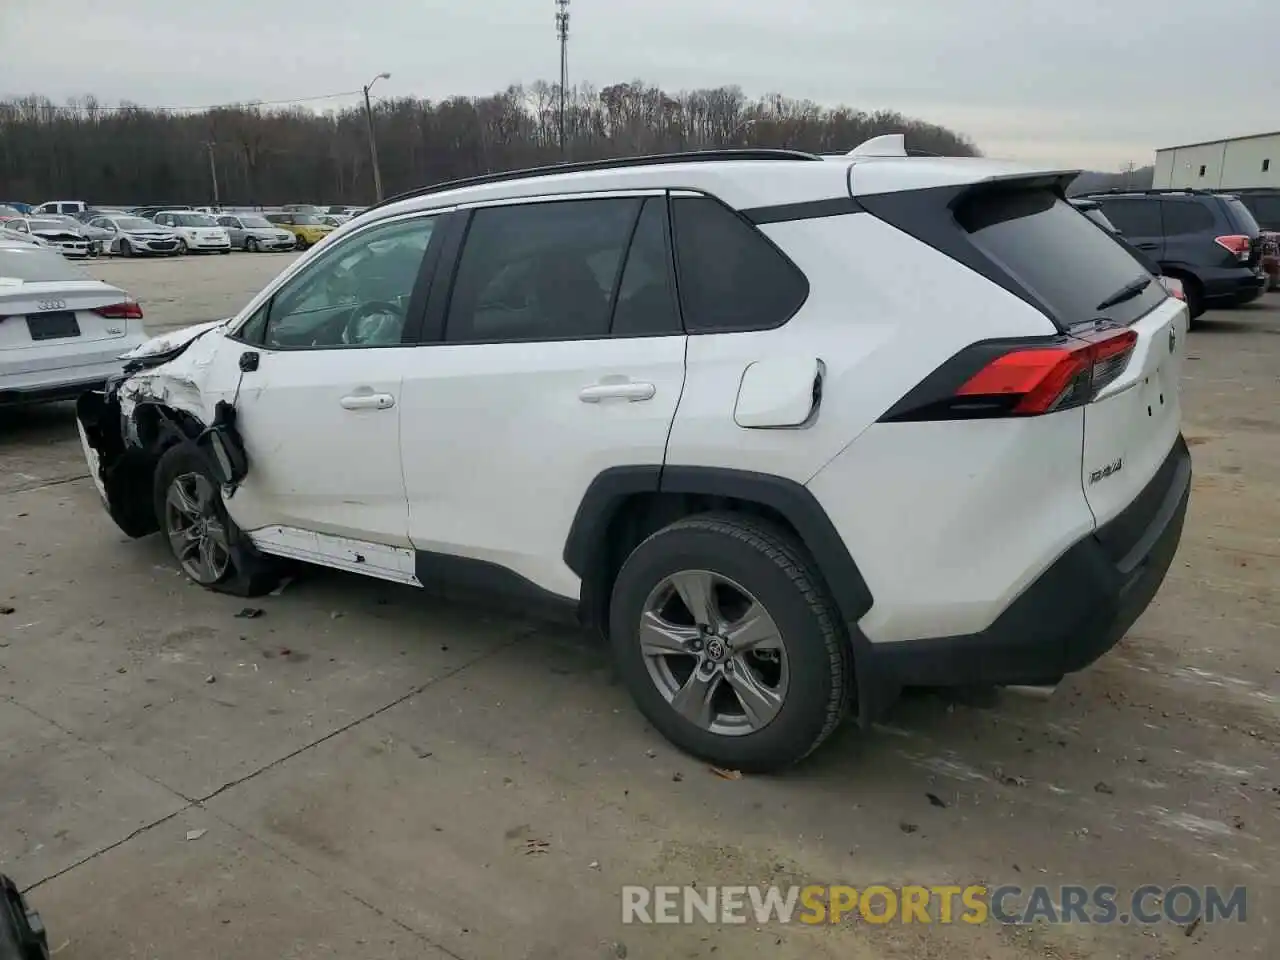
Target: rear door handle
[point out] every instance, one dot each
(627, 390)
(368, 401)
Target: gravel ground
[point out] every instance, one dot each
(362, 771)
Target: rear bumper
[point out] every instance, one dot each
(63, 377)
(1075, 612)
(1237, 285)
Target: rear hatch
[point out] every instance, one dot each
(1247, 226)
(1122, 338)
(1095, 291)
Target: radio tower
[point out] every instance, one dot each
(562, 31)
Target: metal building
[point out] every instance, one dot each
(1234, 164)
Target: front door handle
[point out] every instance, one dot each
(368, 401)
(1146, 246)
(627, 390)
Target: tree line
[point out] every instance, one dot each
(135, 155)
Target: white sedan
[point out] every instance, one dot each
(62, 332)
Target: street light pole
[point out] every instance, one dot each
(373, 140)
(213, 171)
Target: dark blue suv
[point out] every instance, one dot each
(1208, 241)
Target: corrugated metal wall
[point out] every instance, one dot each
(1225, 165)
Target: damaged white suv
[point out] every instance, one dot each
(793, 431)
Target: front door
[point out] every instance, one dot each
(320, 416)
(561, 355)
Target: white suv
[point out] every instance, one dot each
(793, 431)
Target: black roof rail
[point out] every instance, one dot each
(692, 156)
(1110, 190)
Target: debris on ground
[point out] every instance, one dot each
(936, 801)
(335, 614)
(1103, 787)
(421, 754)
(651, 753)
(196, 834)
(620, 951)
(908, 827)
(250, 613)
(280, 587)
(6, 609)
(594, 865)
(724, 774)
(536, 846)
(211, 679)
(677, 776)
(1191, 927)
(1008, 780)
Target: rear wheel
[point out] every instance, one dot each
(1195, 299)
(203, 538)
(251, 244)
(728, 641)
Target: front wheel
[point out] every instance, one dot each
(251, 245)
(203, 538)
(727, 639)
(126, 248)
(182, 248)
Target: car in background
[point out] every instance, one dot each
(301, 208)
(136, 236)
(18, 205)
(14, 236)
(84, 216)
(97, 237)
(1208, 241)
(306, 227)
(1264, 204)
(8, 213)
(63, 332)
(334, 220)
(344, 211)
(56, 233)
(149, 212)
(60, 206)
(253, 232)
(197, 232)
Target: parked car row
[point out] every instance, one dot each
(1210, 242)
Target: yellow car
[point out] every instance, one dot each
(307, 227)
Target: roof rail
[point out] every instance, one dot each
(1196, 190)
(693, 156)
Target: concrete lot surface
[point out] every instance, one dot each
(364, 771)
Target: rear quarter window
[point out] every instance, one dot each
(1243, 219)
(1057, 255)
(1182, 217)
(729, 275)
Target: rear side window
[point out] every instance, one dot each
(1243, 218)
(540, 271)
(730, 276)
(1065, 262)
(1134, 218)
(1186, 216)
(35, 266)
(646, 302)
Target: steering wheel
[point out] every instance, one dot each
(377, 321)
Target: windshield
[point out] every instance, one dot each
(254, 223)
(306, 220)
(135, 223)
(194, 220)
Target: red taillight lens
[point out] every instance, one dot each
(128, 310)
(1236, 243)
(1036, 380)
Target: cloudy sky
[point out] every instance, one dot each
(1091, 83)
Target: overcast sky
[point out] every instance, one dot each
(1090, 83)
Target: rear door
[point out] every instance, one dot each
(1190, 228)
(1138, 219)
(558, 353)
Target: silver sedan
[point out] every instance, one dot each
(252, 232)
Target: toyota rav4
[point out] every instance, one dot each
(793, 432)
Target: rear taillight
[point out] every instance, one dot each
(1236, 243)
(1173, 287)
(1019, 380)
(128, 310)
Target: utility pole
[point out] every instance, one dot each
(213, 171)
(562, 31)
(373, 140)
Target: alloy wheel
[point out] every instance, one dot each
(714, 653)
(197, 534)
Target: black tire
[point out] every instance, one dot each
(224, 252)
(775, 568)
(251, 244)
(126, 248)
(183, 249)
(1194, 293)
(249, 573)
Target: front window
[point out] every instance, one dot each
(356, 294)
(194, 220)
(134, 223)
